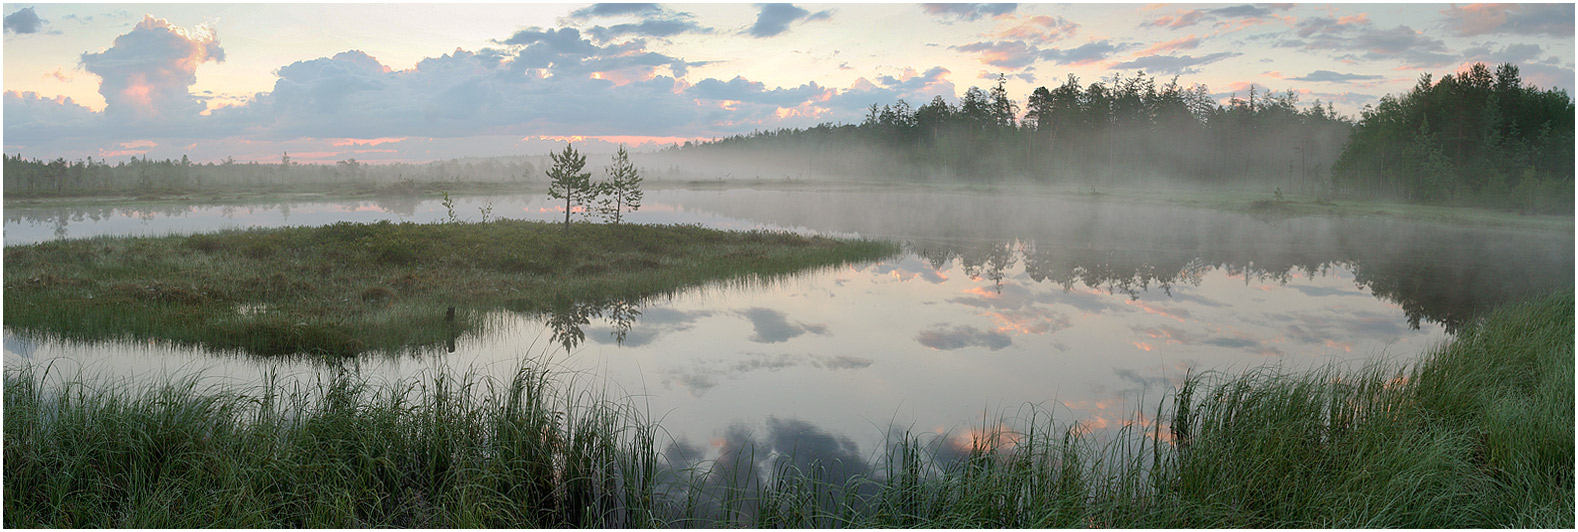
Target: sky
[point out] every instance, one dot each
(417, 82)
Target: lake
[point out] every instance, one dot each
(1082, 307)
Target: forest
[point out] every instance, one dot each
(1474, 138)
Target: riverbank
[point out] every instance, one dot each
(1476, 434)
(347, 288)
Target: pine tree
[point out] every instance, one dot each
(623, 190)
(568, 182)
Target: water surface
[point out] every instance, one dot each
(1083, 308)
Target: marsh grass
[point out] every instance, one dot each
(1476, 434)
(348, 288)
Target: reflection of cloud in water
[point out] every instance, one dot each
(909, 268)
(1197, 299)
(1336, 330)
(1167, 334)
(773, 326)
(945, 338)
(653, 323)
(1177, 336)
(703, 375)
(1325, 291)
(1181, 315)
(20, 346)
(1252, 345)
(745, 462)
(1033, 320)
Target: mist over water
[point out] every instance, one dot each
(1082, 307)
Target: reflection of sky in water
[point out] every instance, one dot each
(925, 341)
(852, 350)
(27, 225)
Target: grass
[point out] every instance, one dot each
(348, 288)
(1477, 434)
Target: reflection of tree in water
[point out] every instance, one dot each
(566, 319)
(1444, 276)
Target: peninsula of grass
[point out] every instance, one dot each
(1477, 434)
(348, 288)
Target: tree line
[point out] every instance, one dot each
(138, 174)
(1125, 129)
(1475, 137)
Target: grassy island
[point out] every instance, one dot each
(348, 288)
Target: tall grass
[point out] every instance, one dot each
(1478, 433)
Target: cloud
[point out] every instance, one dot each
(773, 326)
(1356, 34)
(945, 338)
(36, 119)
(911, 86)
(1084, 54)
(1174, 64)
(24, 21)
(654, 21)
(1555, 20)
(1243, 14)
(774, 19)
(742, 90)
(1041, 29)
(614, 10)
(147, 73)
(648, 28)
(968, 12)
(1182, 43)
(1006, 54)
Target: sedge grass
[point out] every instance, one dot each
(1476, 434)
(348, 288)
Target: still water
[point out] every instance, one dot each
(1083, 308)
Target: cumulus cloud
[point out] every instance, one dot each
(910, 86)
(742, 90)
(774, 19)
(1174, 64)
(32, 118)
(945, 338)
(148, 72)
(24, 21)
(1555, 20)
(968, 12)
